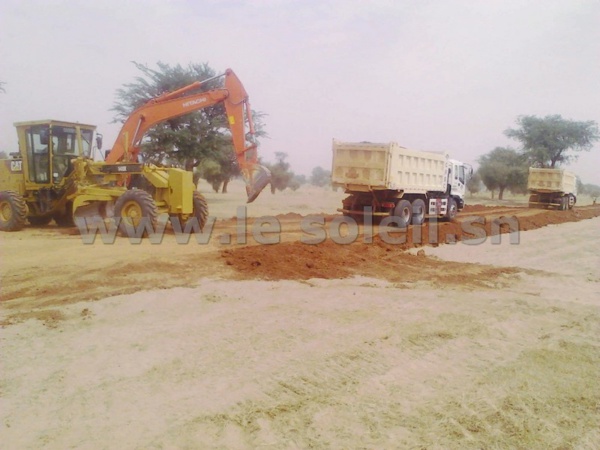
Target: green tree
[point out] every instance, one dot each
(297, 181)
(474, 183)
(219, 168)
(320, 177)
(552, 140)
(186, 140)
(580, 186)
(592, 190)
(281, 175)
(501, 169)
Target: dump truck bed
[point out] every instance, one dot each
(365, 166)
(551, 180)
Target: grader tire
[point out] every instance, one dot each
(134, 207)
(200, 212)
(200, 209)
(13, 211)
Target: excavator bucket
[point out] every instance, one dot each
(258, 177)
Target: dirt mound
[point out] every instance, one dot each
(382, 259)
(299, 261)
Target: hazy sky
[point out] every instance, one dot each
(430, 74)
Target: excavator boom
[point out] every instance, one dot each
(186, 100)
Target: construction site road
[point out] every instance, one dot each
(45, 267)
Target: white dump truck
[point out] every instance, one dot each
(551, 188)
(390, 180)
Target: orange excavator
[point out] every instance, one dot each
(186, 100)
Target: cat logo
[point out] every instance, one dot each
(16, 165)
(352, 173)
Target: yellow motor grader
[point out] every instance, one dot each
(54, 177)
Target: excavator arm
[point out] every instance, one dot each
(186, 100)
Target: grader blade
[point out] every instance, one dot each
(258, 178)
(93, 213)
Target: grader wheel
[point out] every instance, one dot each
(13, 211)
(200, 211)
(132, 209)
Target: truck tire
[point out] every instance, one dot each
(13, 211)
(564, 203)
(403, 213)
(132, 208)
(533, 199)
(572, 201)
(452, 210)
(418, 210)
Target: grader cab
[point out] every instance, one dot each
(37, 181)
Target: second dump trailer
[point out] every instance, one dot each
(551, 188)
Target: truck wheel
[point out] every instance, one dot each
(564, 203)
(403, 211)
(13, 211)
(572, 201)
(418, 210)
(132, 208)
(452, 209)
(39, 221)
(533, 199)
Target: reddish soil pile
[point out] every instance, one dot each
(299, 261)
(382, 258)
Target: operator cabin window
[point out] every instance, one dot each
(37, 154)
(86, 141)
(64, 148)
(64, 141)
(461, 174)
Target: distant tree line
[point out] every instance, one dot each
(545, 142)
(282, 176)
(200, 141)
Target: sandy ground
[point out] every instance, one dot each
(369, 345)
